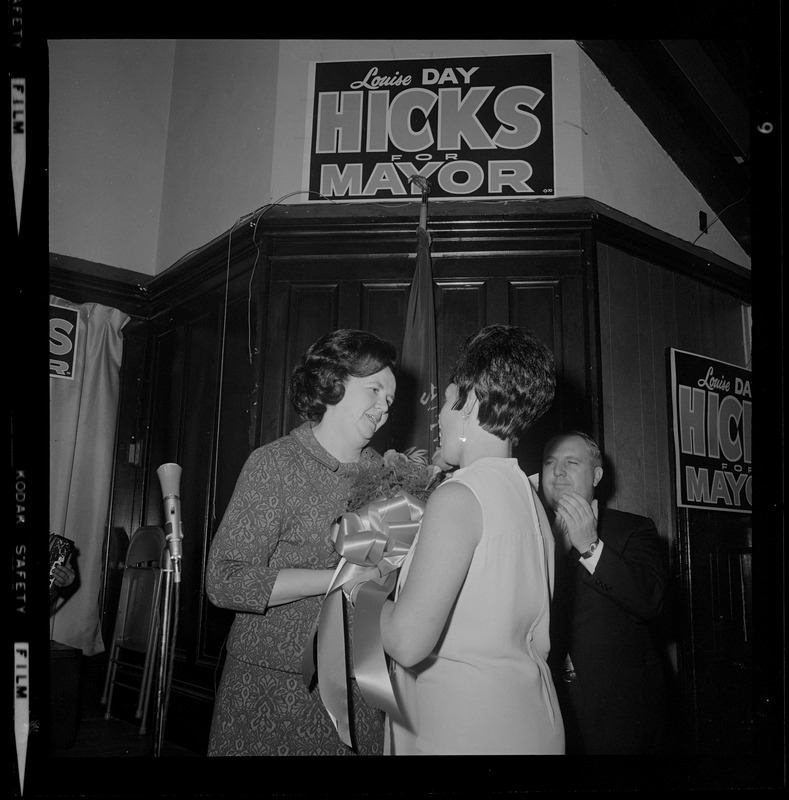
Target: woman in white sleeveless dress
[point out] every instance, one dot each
(468, 629)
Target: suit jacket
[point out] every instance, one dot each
(617, 702)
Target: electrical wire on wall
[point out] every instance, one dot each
(720, 215)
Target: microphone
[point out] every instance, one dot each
(170, 479)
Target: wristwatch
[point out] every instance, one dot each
(592, 548)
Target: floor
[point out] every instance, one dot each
(118, 736)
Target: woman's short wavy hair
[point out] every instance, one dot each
(512, 374)
(319, 378)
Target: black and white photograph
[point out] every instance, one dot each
(407, 397)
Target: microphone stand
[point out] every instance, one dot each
(169, 477)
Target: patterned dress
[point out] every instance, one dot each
(287, 497)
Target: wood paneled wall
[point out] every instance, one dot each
(646, 308)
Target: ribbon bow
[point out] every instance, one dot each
(378, 535)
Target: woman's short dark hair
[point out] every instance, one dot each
(318, 380)
(512, 374)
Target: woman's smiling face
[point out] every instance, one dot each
(364, 407)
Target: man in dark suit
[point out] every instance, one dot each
(610, 583)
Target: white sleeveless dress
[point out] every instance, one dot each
(486, 688)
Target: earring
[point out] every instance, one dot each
(464, 417)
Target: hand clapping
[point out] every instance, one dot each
(577, 519)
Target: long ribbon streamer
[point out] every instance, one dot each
(378, 535)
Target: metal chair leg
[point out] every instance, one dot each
(150, 655)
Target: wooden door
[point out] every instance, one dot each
(324, 293)
(716, 552)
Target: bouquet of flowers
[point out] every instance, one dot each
(407, 472)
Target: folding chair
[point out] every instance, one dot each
(145, 547)
(137, 621)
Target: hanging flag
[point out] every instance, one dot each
(418, 380)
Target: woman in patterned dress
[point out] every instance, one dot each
(273, 558)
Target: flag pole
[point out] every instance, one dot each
(424, 185)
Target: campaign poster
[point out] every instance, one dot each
(713, 415)
(477, 127)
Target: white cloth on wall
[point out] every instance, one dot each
(83, 413)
